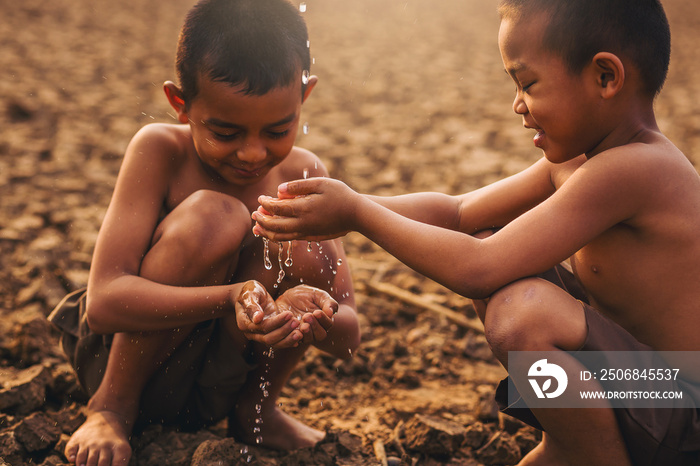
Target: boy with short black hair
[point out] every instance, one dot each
(183, 311)
(612, 197)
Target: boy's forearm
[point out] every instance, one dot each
(449, 257)
(132, 304)
(432, 208)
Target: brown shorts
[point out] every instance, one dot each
(197, 385)
(662, 436)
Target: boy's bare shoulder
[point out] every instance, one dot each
(638, 166)
(302, 163)
(163, 138)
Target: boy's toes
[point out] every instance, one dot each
(72, 453)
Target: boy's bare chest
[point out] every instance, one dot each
(641, 284)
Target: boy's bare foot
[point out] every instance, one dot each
(278, 431)
(102, 440)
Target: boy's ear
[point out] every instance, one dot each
(174, 95)
(313, 80)
(610, 74)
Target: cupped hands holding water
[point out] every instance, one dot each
(302, 314)
(314, 209)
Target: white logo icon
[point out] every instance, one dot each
(543, 369)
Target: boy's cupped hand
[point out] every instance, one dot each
(314, 209)
(301, 314)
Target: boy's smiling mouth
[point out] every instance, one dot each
(538, 139)
(250, 173)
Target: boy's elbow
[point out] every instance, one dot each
(477, 285)
(97, 315)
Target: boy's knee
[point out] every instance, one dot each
(533, 315)
(208, 220)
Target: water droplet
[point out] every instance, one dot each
(258, 408)
(258, 439)
(280, 251)
(258, 420)
(256, 430)
(305, 127)
(305, 77)
(340, 262)
(289, 262)
(244, 450)
(266, 254)
(302, 7)
(249, 459)
(308, 246)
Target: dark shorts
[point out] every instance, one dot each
(197, 385)
(662, 436)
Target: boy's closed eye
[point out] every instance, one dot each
(235, 135)
(278, 134)
(226, 136)
(527, 87)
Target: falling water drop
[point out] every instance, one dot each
(266, 254)
(305, 127)
(308, 246)
(305, 77)
(289, 261)
(280, 251)
(302, 7)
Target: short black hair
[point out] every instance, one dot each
(257, 44)
(578, 29)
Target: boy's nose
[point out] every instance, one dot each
(519, 106)
(252, 152)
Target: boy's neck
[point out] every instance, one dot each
(634, 122)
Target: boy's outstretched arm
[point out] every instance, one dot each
(590, 202)
(489, 207)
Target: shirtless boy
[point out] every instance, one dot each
(612, 196)
(178, 289)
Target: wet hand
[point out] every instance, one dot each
(259, 318)
(313, 307)
(315, 209)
